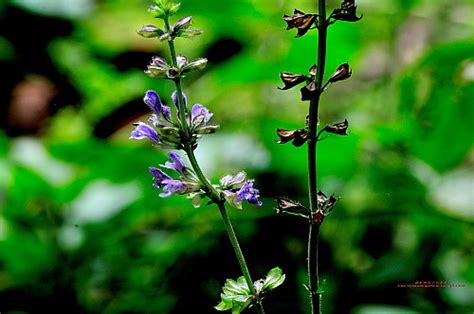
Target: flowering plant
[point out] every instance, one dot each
(181, 128)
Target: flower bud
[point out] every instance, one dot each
(290, 80)
(300, 21)
(181, 61)
(158, 61)
(150, 31)
(343, 72)
(188, 33)
(194, 66)
(157, 68)
(347, 12)
(181, 29)
(165, 36)
(338, 128)
(155, 72)
(183, 23)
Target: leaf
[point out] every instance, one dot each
(236, 296)
(275, 278)
(235, 287)
(224, 305)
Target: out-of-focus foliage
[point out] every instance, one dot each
(82, 230)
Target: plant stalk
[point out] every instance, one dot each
(239, 254)
(211, 191)
(313, 234)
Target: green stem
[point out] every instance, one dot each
(313, 234)
(239, 254)
(181, 106)
(211, 191)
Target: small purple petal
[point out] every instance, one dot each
(171, 186)
(233, 182)
(166, 112)
(143, 130)
(158, 177)
(174, 96)
(200, 115)
(249, 193)
(176, 163)
(153, 101)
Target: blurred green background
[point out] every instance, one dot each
(82, 230)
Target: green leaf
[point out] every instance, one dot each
(224, 305)
(236, 296)
(275, 278)
(235, 287)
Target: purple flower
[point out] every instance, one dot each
(169, 185)
(200, 115)
(158, 177)
(172, 186)
(233, 182)
(176, 163)
(153, 101)
(174, 96)
(143, 130)
(249, 193)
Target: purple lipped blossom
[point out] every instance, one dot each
(174, 97)
(143, 130)
(249, 193)
(172, 186)
(200, 115)
(158, 177)
(153, 101)
(175, 164)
